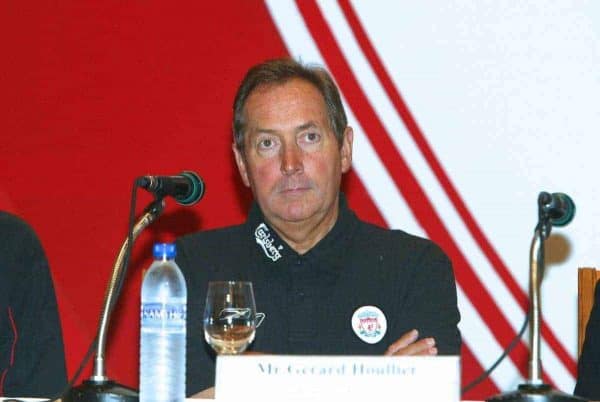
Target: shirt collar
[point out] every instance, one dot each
(276, 251)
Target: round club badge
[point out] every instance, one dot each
(369, 324)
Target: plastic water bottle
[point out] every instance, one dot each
(163, 317)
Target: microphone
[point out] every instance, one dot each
(559, 207)
(187, 187)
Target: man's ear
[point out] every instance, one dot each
(241, 164)
(346, 149)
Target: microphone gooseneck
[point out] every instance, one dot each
(556, 209)
(187, 189)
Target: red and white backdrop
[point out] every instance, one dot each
(462, 113)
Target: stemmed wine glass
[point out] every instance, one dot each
(230, 317)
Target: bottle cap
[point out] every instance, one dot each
(164, 250)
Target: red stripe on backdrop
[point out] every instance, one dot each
(406, 182)
(416, 133)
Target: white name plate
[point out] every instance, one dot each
(325, 378)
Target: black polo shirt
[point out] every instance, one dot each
(32, 361)
(309, 299)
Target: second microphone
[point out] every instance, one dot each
(187, 188)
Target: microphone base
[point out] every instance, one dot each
(535, 393)
(101, 391)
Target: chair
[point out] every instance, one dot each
(586, 278)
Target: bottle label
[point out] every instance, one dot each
(171, 315)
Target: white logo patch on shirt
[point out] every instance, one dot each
(369, 324)
(264, 239)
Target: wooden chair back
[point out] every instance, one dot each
(586, 278)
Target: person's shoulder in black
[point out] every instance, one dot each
(426, 274)
(588, 369)
(32, 361)
(215, 243)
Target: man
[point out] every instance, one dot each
(32, 361)
(327, 282)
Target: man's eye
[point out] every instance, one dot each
(265, 143)
(312, 137)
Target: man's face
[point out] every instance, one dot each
(291, 159)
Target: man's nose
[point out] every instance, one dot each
(291, 159)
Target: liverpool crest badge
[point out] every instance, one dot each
(369, 324)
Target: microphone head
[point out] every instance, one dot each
(196, 190)
(558, 208)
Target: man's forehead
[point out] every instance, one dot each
(298, 128)
(295, 105)
(290, 90)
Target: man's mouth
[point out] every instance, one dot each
(294, 188)
(291, 190)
